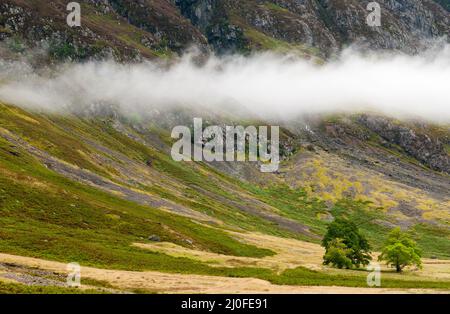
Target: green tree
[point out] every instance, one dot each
(336, 255)
(359, 248)
(400, 250)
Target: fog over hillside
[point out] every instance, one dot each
(264, 83)
(224, 147)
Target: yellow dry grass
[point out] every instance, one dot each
(291, 253)
(332, 178)
(178, 283)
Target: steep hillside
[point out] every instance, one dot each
(109, 29)
(132, 161)
(326, 25)
(130, 30)
(100, 190)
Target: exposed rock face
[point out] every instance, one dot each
(200, 12)
(405, 25)
(421, 146)
(162, 19)
(123, 30)
(213, 19)
(42, 25)
(444, 3)
(129, 30)
(327, 24)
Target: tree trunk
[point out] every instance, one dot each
(397, 265)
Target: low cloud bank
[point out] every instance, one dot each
(264, 84)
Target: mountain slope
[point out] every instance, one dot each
(112, 155)
(87, 189)
(326, 25)
(129, 30)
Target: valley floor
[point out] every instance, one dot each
(290, 254)
(178, 283)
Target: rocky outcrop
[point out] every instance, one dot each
(131, 30)
(405, 25)
(122, 30)
(162, 19)
(328, 25)
(421, 146)
(444, 3)
(41, 26)
(212, 19)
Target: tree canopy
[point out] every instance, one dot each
(358, 248)
(400, 250)
(336, 255)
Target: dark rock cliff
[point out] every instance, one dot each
(130, 30)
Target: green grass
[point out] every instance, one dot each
(294, 204)
(16, 288)
(127, 34)
(303, 276)
(264, 42)
(66, 221)
(63, 138)
(298, 276)
(275, 7)
(42, 133)
(433, 240)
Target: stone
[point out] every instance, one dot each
(154, 238)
